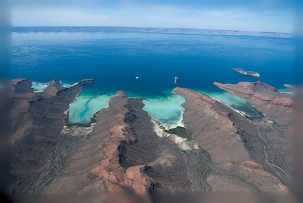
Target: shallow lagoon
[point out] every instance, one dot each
(85, 106)
(39, 87)
(167, 111)
(234, 102)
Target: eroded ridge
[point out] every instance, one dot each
(111, 170)
(96, 162)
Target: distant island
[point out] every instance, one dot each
(289, 86)
(244, 72)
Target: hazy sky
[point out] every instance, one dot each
(250, 15)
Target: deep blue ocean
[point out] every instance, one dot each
(115, 58)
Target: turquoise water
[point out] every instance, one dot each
(85, 106)
(234, 102)
(167, 110)
(39, 87)
(114, 58)
(285, 90)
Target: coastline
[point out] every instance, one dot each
(92, 97)
(42, 85)
(211, 127)
(183, 143)
(166, 125)
(226, 94)
(68, 86)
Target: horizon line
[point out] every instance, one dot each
(103, 26)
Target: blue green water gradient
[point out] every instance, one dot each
(114, 58)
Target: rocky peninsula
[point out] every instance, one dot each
(273, 127)
(233, 143)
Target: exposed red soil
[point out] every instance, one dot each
(111, 170)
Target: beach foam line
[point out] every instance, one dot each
(240, 112)
(285, 90)
(233, 101)
(67, 85)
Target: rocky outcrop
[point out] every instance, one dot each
(232, 142)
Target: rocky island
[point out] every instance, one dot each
(245, 72)
(124, 152)
(289, 86)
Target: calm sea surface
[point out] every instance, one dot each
(115, 58)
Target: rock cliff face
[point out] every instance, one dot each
(233, 143)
